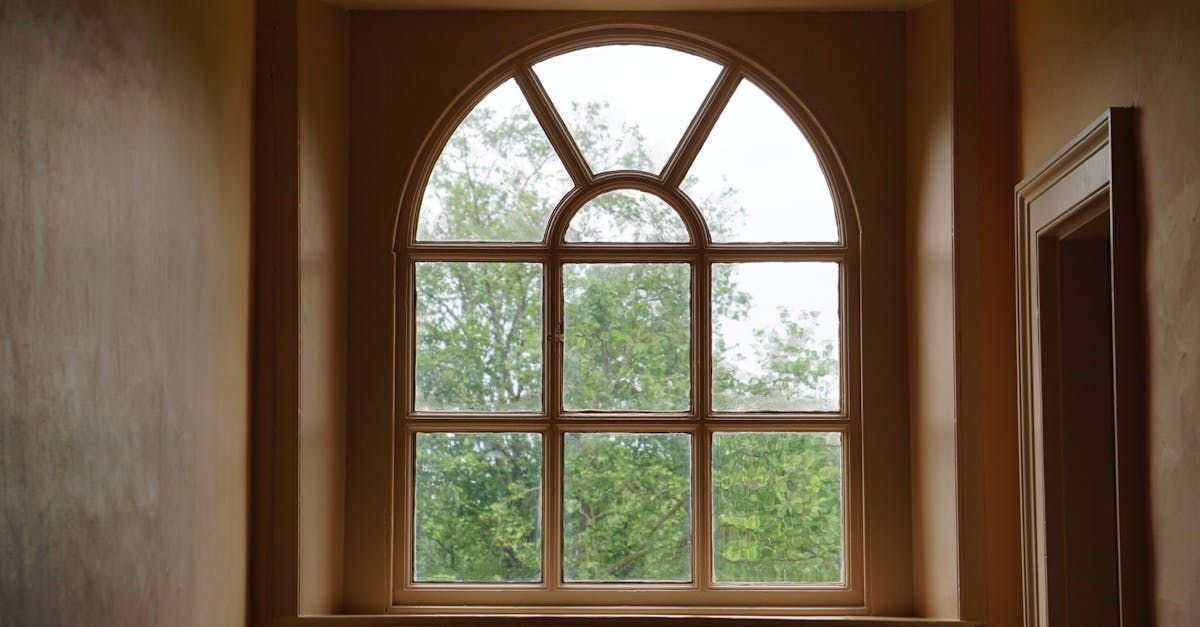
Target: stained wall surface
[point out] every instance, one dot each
(124, 311)
(1074, 58)
(407, 68)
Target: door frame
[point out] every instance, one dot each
(1098, 163)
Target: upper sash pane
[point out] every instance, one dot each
(497, 179)
(757, 179)
(627, 106)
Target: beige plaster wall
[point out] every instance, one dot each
(1074, 58)
(931, 329)
(322, 53)
(962, 368)
(124, 311)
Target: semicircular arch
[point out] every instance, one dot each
(516, 65)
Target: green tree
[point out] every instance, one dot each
(627, 341)
(477, 497)
(618, 485)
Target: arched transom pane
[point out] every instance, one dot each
(756, 179)
(627, 215)
(497, 179)
(627, 106)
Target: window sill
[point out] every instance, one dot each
(622, 620)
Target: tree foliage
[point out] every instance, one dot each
(616, 483)
(627, 497)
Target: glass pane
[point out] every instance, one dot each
(497, 179)
(756, 179)
(627, 507)
(627, 105)
(627, 344)
(776, 337)
(479, 337)
(627, 215)
(477, 507)
(777, 507)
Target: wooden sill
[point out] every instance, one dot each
(630, 620)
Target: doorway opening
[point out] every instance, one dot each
(1079, 446)
(1082, 375)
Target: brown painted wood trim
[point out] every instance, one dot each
(560, 218)
(552, 123)
(697, 132)
(582, 619)
(273, 565)
(970, 514)
(1107, 143)
(1129, 366)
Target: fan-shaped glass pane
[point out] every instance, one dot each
(756, 179)
(627, 105)
(627, 215)
(497, 179)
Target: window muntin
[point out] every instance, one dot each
(716, 242)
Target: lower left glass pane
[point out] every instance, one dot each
(477, 507)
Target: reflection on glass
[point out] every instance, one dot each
(627, 215)
(497, 178)
(627, 335)
(477, 507)
(777, 507)
(775, 340)
(627, 507)
(479, 337)
(756, 179)
(627, 106)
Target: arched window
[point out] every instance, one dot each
(626, 301)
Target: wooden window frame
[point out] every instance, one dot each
(702, 595)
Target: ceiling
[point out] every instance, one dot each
(634, 5)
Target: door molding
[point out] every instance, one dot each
(1098, 163)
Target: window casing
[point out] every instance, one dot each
(698, 420)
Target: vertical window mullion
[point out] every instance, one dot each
(702, 397)
(552, 391)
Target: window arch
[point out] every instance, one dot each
(593, 271)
